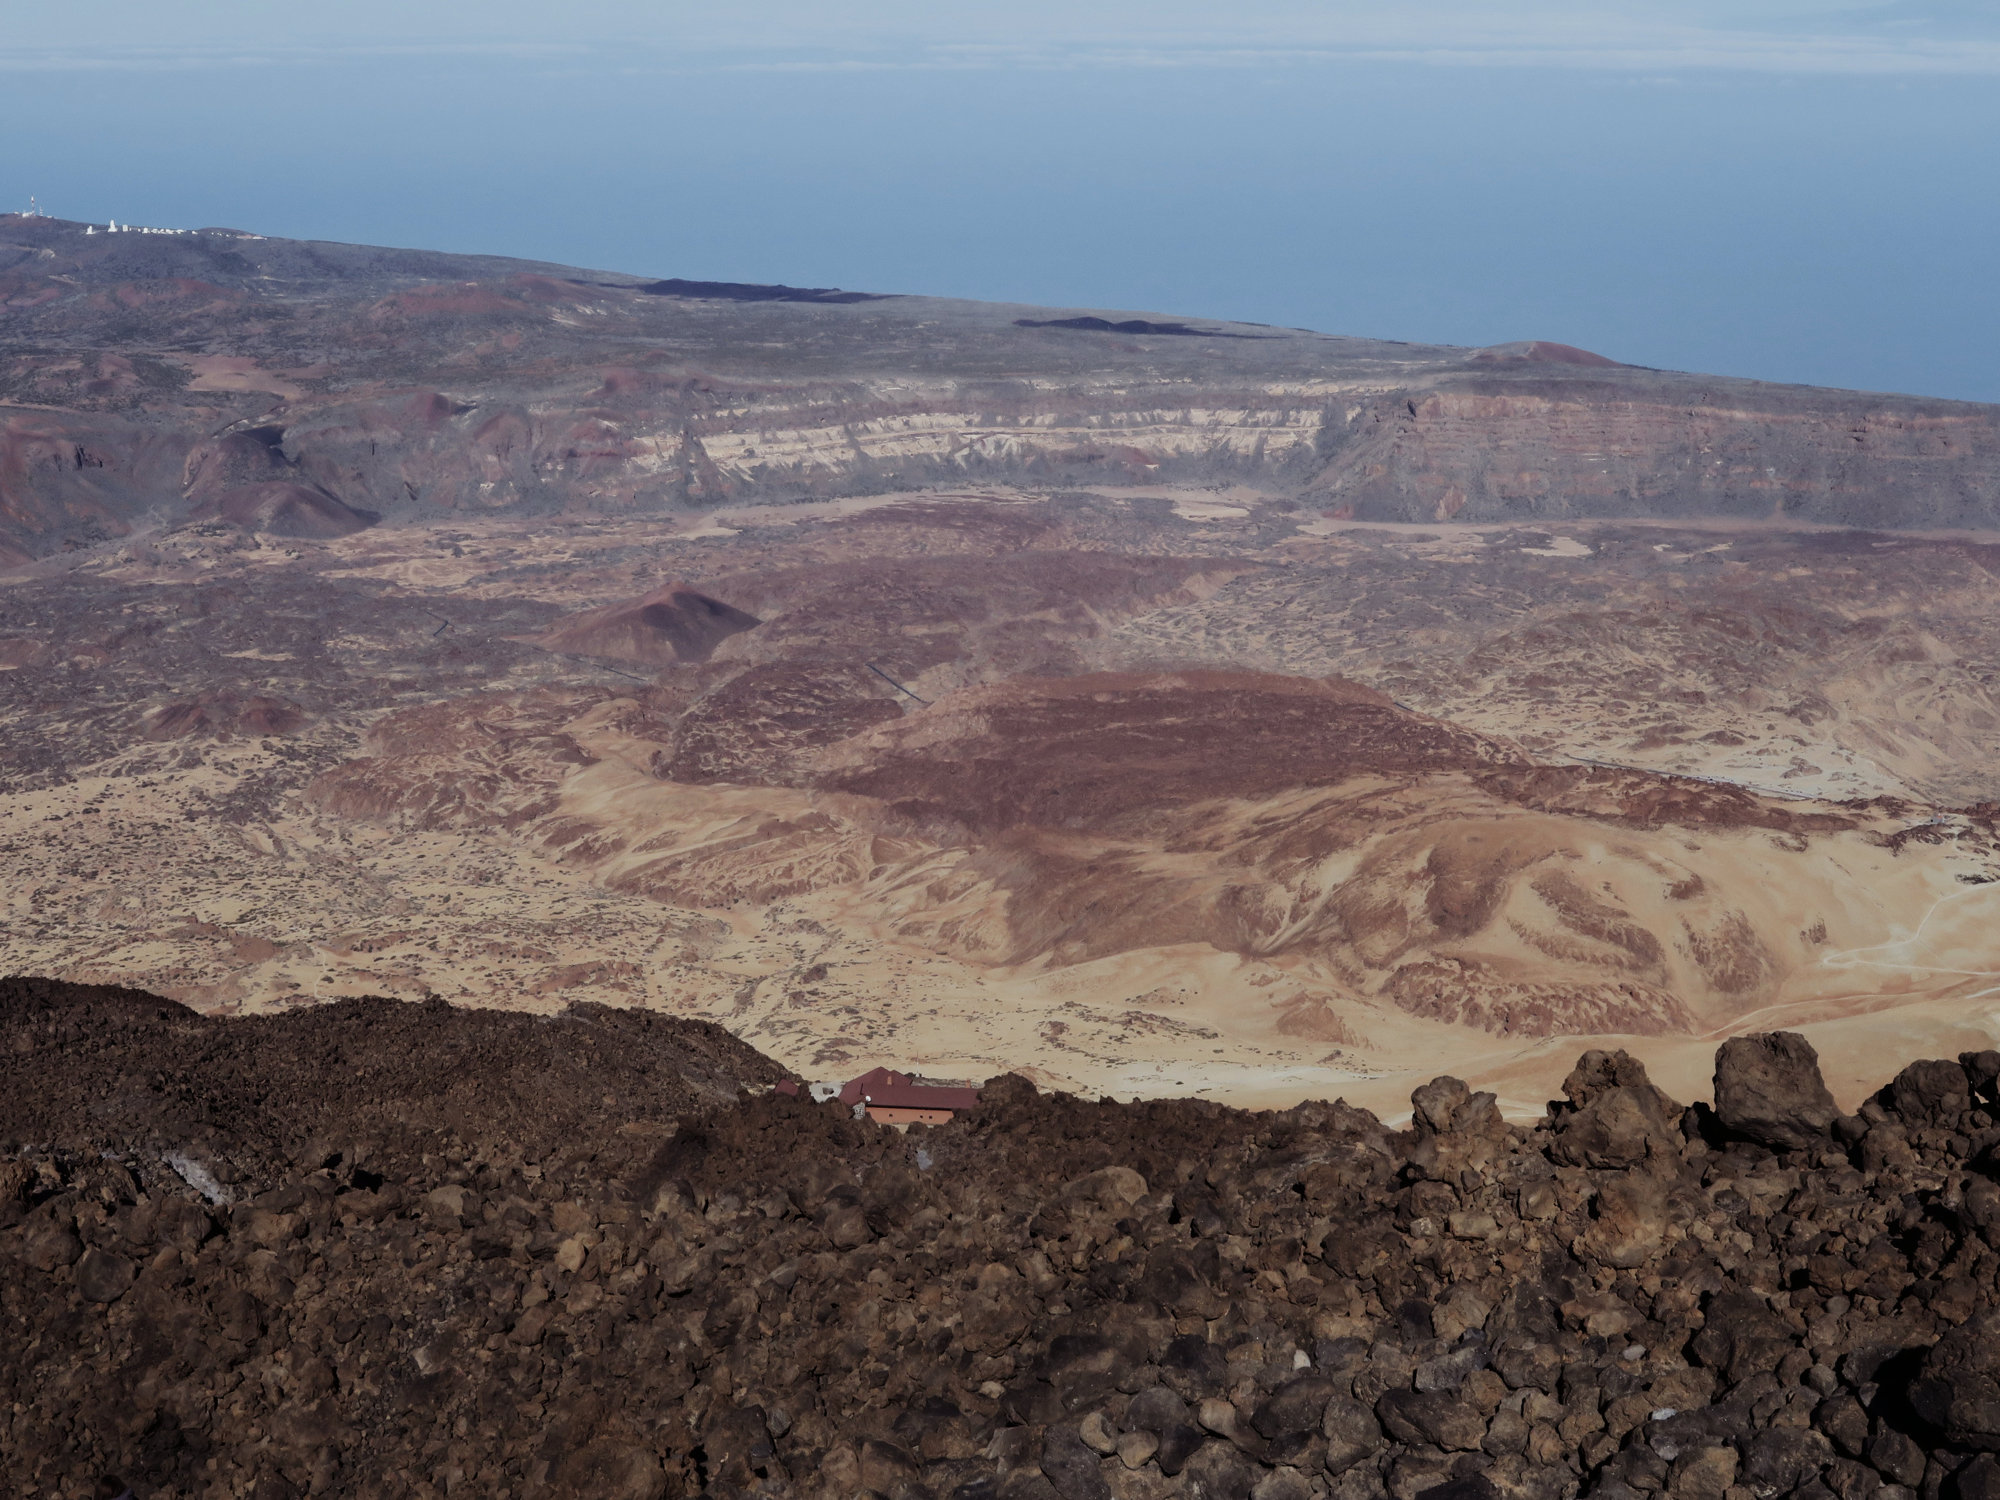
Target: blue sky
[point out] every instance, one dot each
(1788, 189)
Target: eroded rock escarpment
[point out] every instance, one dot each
(483, 1253)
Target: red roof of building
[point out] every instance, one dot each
(874, 1078)
(893, 1090)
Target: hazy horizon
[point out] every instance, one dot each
(1788, 191)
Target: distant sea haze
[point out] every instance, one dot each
(1776, 192)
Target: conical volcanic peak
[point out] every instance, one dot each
(674, 623)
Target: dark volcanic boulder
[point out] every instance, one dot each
(1155, 1409)
(1780, 1460)
(102, 1276)
(1180, 1442)
(1980, 1479)
(1071, 1466)
(1470, 1487)
(1768, 1089)
(1616, 1117)
(1435, 1417)
(1741, 1336)
(1296, 1406)
(1958, 1389)
(1219, 1472)
(1455, 1130)
(1933, 1092)
(1351, 1432)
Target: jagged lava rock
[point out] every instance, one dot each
(1958, 1391)
(1617, 1117)
(401, 1251)
(1768, 1088)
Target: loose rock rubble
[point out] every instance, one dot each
(382, 1250)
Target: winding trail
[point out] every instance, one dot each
(1848, 958)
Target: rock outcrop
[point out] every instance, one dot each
(457, 1266)
(1958, 1389)
(1768, 1089)
(1617, 1118)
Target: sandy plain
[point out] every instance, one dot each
(273, 772)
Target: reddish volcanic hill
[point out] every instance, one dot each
(672, 624)
(286, 509)
(1082, 751)
(222, 714)
(247, 480)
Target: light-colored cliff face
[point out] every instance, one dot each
(374, 383)
(1274, 436)
(1583, 446)
(787, 442)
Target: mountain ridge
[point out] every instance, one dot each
(413, 385)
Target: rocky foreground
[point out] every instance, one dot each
(378, 1249)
